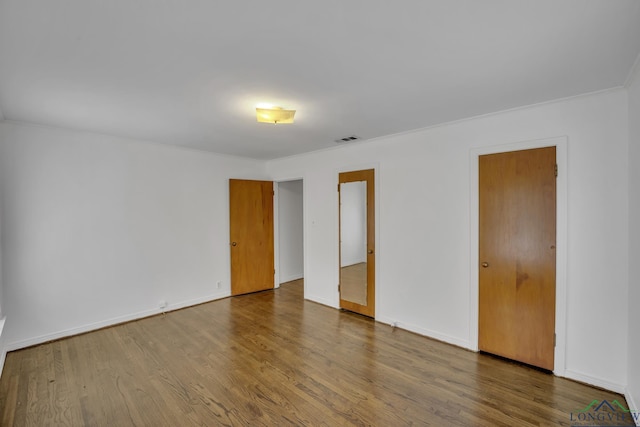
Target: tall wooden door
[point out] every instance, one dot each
(251, 232)
(357, 273)
(517, 255)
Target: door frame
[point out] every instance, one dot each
(561, 144)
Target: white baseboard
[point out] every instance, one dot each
(16, 345)
(3, 357)
(291, 277)
(322, 301)
(350, 262)
(598, 382)
(633, 407)
(3, 349)
(427, 333)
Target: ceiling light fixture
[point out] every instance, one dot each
(274, 115)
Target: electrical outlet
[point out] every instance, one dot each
(162, 305)
(219, 284)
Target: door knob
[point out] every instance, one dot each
(370, 251)
(233, 243)
(485, 264)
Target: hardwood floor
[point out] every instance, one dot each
(272, 358)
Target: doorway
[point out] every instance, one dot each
(517, 254)
(356, 206)
(290, 231)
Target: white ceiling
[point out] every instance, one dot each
(190, 72)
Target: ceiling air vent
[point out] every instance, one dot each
(347, 139)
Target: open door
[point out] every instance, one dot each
(357, 241)
(518, 255)
(251, 233)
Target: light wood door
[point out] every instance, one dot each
(361, 274)
(517, 255)
(251, 233)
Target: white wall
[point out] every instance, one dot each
(423, 243)
(1, 282)
(98, 230)
(633, 392)
(291, 251)
(353, 223)
(3, 351)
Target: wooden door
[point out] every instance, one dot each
(251, 232)
(363, 271)
(517, 255)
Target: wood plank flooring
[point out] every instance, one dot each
(272, 358)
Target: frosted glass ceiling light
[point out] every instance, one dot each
(275, 115)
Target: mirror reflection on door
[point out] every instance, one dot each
(353, 242)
